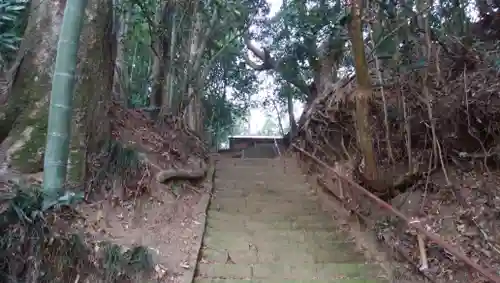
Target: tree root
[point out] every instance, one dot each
(181, 174)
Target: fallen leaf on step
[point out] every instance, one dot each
(185, 265)
(99, 216)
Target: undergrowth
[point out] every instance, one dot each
(39, 245)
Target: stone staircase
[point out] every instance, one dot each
(264, 225)
(261, 151)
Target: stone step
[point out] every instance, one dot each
(282, 184)
(295, 272)
(240, 165)
(340, 280)
(224, 221)
(249, 209)
(265, 193)
(246, 206)
(254, 162)
(251, 184)
(263, 200)
(258, 250)
(299, 219)
(290, 254)
(259, 225)
(321, 238)
(289, 213)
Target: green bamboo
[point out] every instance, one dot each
(61, 96)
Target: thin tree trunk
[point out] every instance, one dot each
(158, 71)
(61, 96)
(168, 99)
(190, 114)
(291, 117)
(120, 89)
(364, 92)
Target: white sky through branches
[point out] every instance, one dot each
(258, 115)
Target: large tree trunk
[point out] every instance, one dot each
(94, 88)
(364, 93)
(28, 103)
(24, 123)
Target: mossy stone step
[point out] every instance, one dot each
(251, 161)
(298, 220)
(282, 271)
(231, 222)
(265, 202)
(253, 225)
(321, 237)
(340, 280)
(282, 187)
(265, 196)
(280, 246)
(250, 208)
(290, 256)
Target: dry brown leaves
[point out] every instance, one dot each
(466, 112)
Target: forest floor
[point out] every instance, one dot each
(170, 225)
(462, 207)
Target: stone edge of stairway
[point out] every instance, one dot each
(189, 275)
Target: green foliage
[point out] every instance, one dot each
(228, 90)
(138, 55)
(299, 34)
(123, 266)
(12, 14)
(226, 85)
(35, 249)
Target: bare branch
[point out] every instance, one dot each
(268, 63)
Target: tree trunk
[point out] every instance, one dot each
(190, 113)
(120, 26)
(291, 117)
(169, 90)
(94, 88)
(61, 96)
(364, 92)
(27, 105)
(158, 72)
(24, 146)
